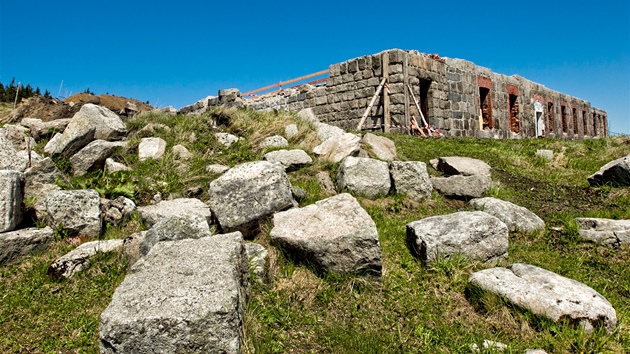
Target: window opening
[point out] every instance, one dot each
(575, 121)
(486, 108)
(424, 97)
(550, 117)
(514, 111)
(584, 125)
(565, 123)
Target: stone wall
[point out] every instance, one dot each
(449, 92)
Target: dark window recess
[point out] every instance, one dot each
(486, 108)
(515, 124)
(584, 125)
(575, 121)
(424, 97)
(594, 124)
(565, 123)
(550, 118)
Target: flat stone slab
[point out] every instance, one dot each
(74, 261)
(473, 234)
(616, 172)
(364, 176)
(412, 179)
(514, 216)
(10, 199)
(247, 193)
(335, 234)
(338, 147)
(274, 141)
(18, 244)
(467, 166)
(548, 294)
(460, 186)
(290, 159)
(151, 214)
(175, 228)
(185, 296)
(92, 157)
(604, 231)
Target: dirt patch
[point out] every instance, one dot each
(115, 103)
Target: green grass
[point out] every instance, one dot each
(411, 309)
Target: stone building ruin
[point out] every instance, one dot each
(457, 98)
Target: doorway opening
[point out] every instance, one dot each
(425, 84)
(486, 108)
(565, 123)
(515, 124)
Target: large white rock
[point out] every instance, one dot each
(335, 234)
(326, 131)
(10, 200)
(473, 234)
(11, 157)
(460, 186)
(274, 141)
(364, 176)
(175, 228)
(74, 261)
(616, 172)
(514, 216)
(78, 211)
(412, 179)
(185, 296)
(151, 214)
(290, 159)
(40, 129)
(92, 157)
(226, 139)
(338, 147)
(17, 244)
(548, 294)
(153, 148)
(380, 146)
(77, 135)
(467, 166)
(605, 231)
(247, 193)
(107, 124)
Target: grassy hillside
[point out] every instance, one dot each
(411, 309)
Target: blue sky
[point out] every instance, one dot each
(175, 53)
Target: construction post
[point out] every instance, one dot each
(407, 123)
(387, 120)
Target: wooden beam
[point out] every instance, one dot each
(369, 107)
(281, 83)
(387, 119)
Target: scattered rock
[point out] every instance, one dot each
(326, 182)
(74, 261)
(290, 159)
(77, 135)
(274, 141)
(151, 214)
(131, 246)
(10, 200)
(107, 124)
(115, 211)
(412, 179)
(290, 131)
(18, 136)
(39, 181)
(616, 172)
(548, 294)
(226, 139)
(364, 176)
(217, 169)
(175, 228)
(334, 234)
(326, 131)
(604, 231)
(17, 244)
(462, 186)
(489, 345)
(473, 234)
(40, 129)
(77, 211)
(112, 166)
(52, 144)
(12, 158)
(337, 148)
(535, 351)
(381, 147)
(181, 153)
(151, 129)
(247, 193)
(153, 148)
(514, 216)
(546, 154)
(92, 157)
(184, 296)
(308, 115)
(457, 165)
(299, 194)
(257, 256)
